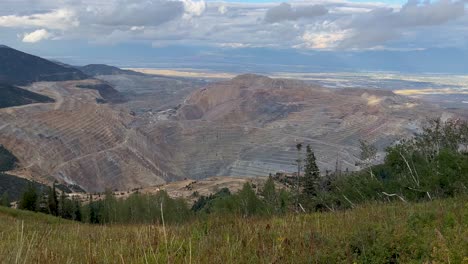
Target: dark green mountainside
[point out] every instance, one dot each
(19, 68)
(14, 96)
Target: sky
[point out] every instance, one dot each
(243, 33)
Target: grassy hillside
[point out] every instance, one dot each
(434, 232)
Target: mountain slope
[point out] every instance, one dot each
(102, 69)
(19, 68)
(14, 96)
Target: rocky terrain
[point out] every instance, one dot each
(129, 131)
(79, 141)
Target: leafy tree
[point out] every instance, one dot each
(269, 191)
(285, 200)
(367, 156)
(249, 202)
(205, 204)
(270, 196)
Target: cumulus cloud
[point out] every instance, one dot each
(56, 19)
(329, 25)
(194, 8)
(286, 12)
(36, 36)
(384, 24)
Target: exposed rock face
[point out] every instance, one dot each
(78, 141)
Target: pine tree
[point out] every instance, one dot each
(311, 174)
(65, 207)
(299, 166)
(77, 210)
(42, 202)
(93, 216)
(52, 201)
(29, 199)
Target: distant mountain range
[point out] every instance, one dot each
(102, 69)
(20, 69)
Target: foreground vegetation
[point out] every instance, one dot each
(429, 232)
(412, 208)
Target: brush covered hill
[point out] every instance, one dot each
(20, 68)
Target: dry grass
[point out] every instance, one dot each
(434, 232)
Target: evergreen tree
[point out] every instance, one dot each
(66, 209)
(29, 199)
(93, 216)
(311, 174)
(5, 200)
(299, 167)
(77, 210)
(42, 205)
(52, 201)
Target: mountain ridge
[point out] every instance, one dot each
(103, 69)
(20, 68)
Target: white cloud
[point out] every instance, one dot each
(234, 45)
(222, 9)
(194, 8)
(36, 36)
(60, 19)
(323, 40)
(135, 28)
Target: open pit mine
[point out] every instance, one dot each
(121, 130)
